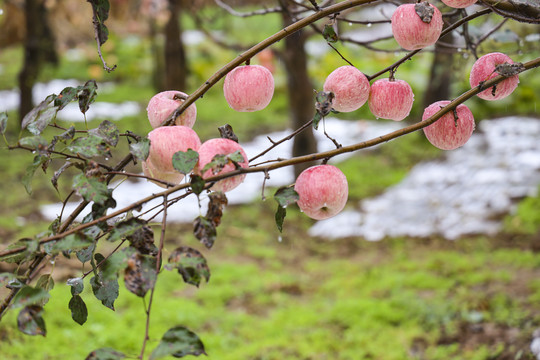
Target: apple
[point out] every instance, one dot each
(248, 88)
(167, 140)
(390, 99)
(411, 32)
(162, 105)
(459, 4)
(350, 87)
(323, 191)
(219, 146)
(173, 177)
(484, 69)
(447, 133)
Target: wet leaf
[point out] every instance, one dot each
(141, 149)
(41, 116)
(329, 33)
(79, 312)
(29, 296)
(281, 212)
(89, 146)
(30, 321)
(105, 354)
(105, 290)
(286, 196)
(126, 228)
(46, 283)
(197, 184)
(178, 342)
(141, 274)
(108, 132)
(88, 92)
(66, 96)
(184, 162)
(91, 189)
(190, 263)
(31, 170)
(77, 285)
(205, 231)
(3, 122)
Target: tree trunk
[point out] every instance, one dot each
(175, 57)
(38, 49)
(300, 93)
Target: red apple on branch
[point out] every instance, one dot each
(323, 191)
(162, 105)
(485, 68)
(350, 87)
(452, 130)
(167, 140)
(248, 88)
(390, 99)
(413, 32)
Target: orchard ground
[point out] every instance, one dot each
(301, 297)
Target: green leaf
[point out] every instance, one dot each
(184, 162)
(85, 255)
(3, 122)
(281, 212)
(178, 342)
(41, 116)
(66, 96)
(88, 92)
(30, 321)
(217, 164)
(108, 132)
(91, 189)
(141, 274)
(101, 13)
(105, 290)
(141, 149)
(77, 285)
(31, 246)
(190, 263)
(36, 142)
(75, 241)
(197, 184)
(329, 33)
(286, 196)
(205, 231)
(105, 354)
(115, 263)
(29, 296)
(79, 312)
(316, 120)
(46, 283)
(126, 228)
(89, 146)
(31, 170)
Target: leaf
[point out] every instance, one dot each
(46, 283)
(30, 321)
(115, 263)
(105, 290)
(236, 157)
(323, 106)
(79, 312)
(59, 172)
(329, 33)
(29, 296)
(527, 11)
(41, 116)
(143, 241)
(31, 170)
(197, 184)
(141, 149)
(126, 228)
(108, 132)
(281, 212)
(89, 146)
(205, 231)
(3, 122)
(75, 241)
(77, 285)
(91, 189)
(184, 162)
(424, 11)
(141, 274)
(66, 96)
(36, 142)
(6, 278)
(88, 92)
(217, 202)
(105, 354)
(190, 263)
(316, 119)
(286, 196)
(101, 13)
(178, 342)
(217, 164)
(226, 132)
(85, 254)
(31, 246)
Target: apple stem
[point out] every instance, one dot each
(456, 117)
(392, 74)
(248, 61)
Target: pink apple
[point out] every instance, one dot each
(350, 87)
(213, 147)
(484, 69)
(446, 133)
(459, 4)
(162, 105)
(150, 170)
(411, 32)
(390, 99)
(323, 191)
(248, 88)
(167, 140)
